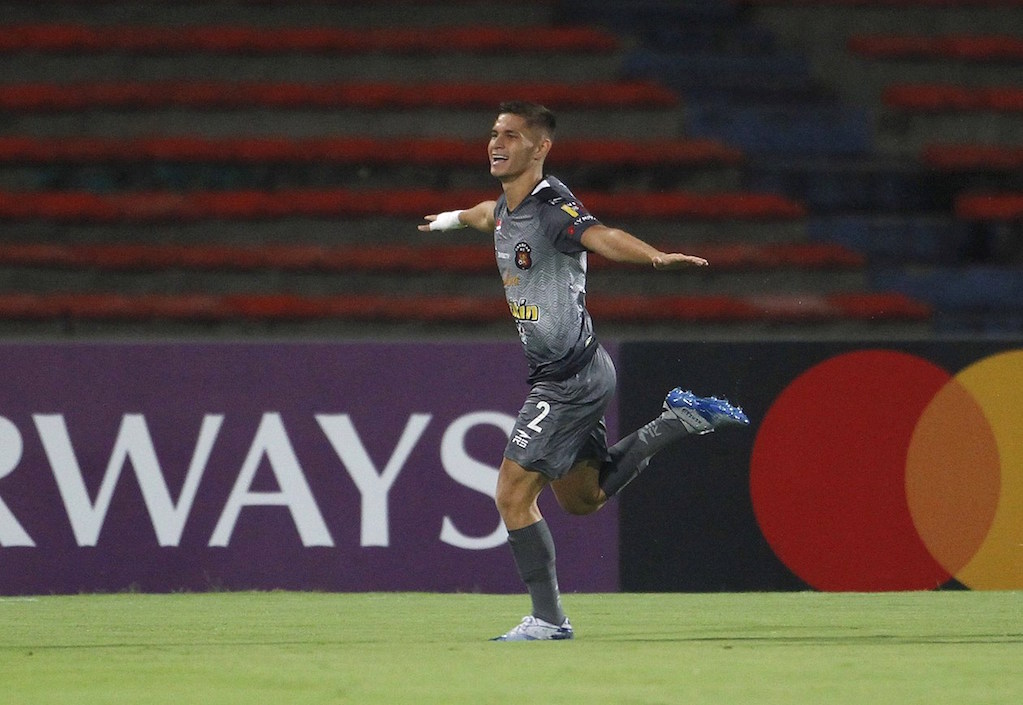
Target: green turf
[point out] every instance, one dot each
(296, 648)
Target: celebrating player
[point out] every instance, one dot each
(541, 236)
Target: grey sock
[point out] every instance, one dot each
(629, 457)
(533, 549)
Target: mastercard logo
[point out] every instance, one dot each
(879, 470)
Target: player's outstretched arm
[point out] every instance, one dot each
(617, 245)
(479, 217)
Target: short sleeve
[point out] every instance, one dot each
(565, 221)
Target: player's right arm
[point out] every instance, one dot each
(479, 217)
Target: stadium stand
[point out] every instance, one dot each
(78, 39)
(950, 98)
(979, 299)
(896, 239)
(144, 207)
(204, 95)
(263, 165)
(808, 308)
(423, 259)
(943, 80)
(972, 157)
(957, 47)
(351, 150)
(990, 206)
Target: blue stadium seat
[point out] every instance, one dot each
(701, 74)
(960, 289)
(788, 128)
(893, 239)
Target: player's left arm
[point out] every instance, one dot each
(620, 246)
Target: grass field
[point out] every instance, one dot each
(296, 648)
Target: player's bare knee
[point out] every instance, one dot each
(514, 505)
(505, 503)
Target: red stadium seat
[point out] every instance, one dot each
(880, 305)
(78, 39)
(1005, 207)
(454, 309)
(55, 97)
(437, 151)
(148, 207)
(972, 157)
(949, 98)
(379, 258)
(958, 47)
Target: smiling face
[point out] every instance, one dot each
(515, 149)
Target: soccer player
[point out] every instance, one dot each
(541, 236)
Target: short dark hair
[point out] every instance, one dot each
(535, 114)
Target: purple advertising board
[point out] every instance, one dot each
(308, 466)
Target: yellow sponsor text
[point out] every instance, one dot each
(521, 311)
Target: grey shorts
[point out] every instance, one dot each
(563, 422)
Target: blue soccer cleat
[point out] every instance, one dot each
(703, 414)
(535, 629)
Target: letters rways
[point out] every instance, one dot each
(134, 450)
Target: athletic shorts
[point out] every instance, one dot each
(563, 422)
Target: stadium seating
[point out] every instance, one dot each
(942, 77)
(981, 299)
(895, 239)
(952, 98)
(43, 97)
(955, 47)
(145, 207)
(972, 157)
(778, 309)
(990, 206)
(711, 135)
(76, 39)
(436, 152)
(423, 258)
(774, 73)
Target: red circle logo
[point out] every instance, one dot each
(878, 470)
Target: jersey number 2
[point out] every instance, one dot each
(544, 409)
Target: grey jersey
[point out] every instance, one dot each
(543, 264)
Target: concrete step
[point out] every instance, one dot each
(451, 65)
(907, 134)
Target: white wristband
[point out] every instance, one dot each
(448, 220)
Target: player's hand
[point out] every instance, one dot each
(448, 220)
(677, 260)
(425, 227)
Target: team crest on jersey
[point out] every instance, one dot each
(523, 256)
